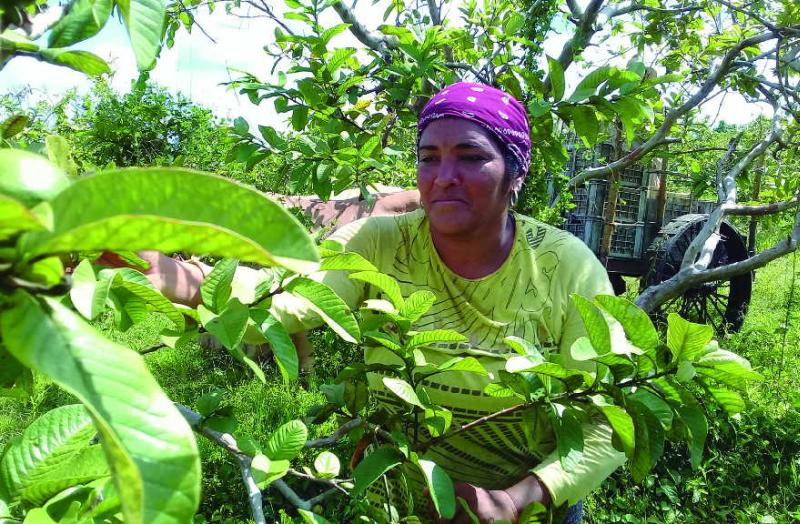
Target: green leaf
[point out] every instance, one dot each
(346, 262)
(384, 339)
(58, 152)
(140, 287)
(12, 126)
(82, 61)
(29, 178)
(216, 287)
(266, 471)
(513, 24)
(556, 74)
(437, 421)
(417, 304)
(84, 19)
(622, 424)
(373, 466)
(87, 298)
(686, 371)
(53, 453)
(149, 446)
(11, 40)
(588, 86)
(658, 406)
(402, 389)
(287, 441)
(434, 336)
(731, 401)
(595, 323)
(637, 324)
(283, 348)
(569, 438)
(327, 465)
(140, 209)
(586, 124)
(524, 348)
(144, 20)
(697, 426)
(687, 340)
(727, 368)
(300, 118)
(312, 518)
(384, 283)
(440, 487)
(229, 326)
(649, 440)
(15, 217)
(464, 364)
(328, 305)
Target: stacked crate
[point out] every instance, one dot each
(586, 220)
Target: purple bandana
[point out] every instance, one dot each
(495, 110)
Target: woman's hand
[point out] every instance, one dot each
(492, 505)
(178, 281)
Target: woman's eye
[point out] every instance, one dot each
(473, 158)
(426, 159)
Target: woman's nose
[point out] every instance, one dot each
(447, 174)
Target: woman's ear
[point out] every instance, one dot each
(516, 184)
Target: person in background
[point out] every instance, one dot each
(495, 274)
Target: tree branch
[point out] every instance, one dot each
(583, 35)
(672, 116)
(336, 436)
(227, 442)
(375, 40)
(764, 209)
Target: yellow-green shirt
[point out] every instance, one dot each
(527, 297)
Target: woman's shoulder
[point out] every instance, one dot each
(541, 236)
(379, 229)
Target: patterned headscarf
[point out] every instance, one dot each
(496, 111)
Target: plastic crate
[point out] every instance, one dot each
(633, 176)
(631, 205)
(588, 229)
(589, 199)
(677, 204)
(627, 241)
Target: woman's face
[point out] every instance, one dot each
(461, 177)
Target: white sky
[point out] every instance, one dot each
(196, 67)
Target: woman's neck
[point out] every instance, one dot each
(480, 253)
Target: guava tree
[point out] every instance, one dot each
(126, 453)
(639, 71)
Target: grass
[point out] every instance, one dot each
(751, 473)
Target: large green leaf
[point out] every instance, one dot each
(328, 305)
(569, 438)
(686, 340)
(374, 466)
(727, 368)
(53, 453)
(595, 323)
(556, 74)
(649, 440)
(402, 389)
(590, 83)
(384, 283)
(84, 19)
(287, 441)
(697, 428)
(216, 287)
(158, 208)
(149, 446)
(15, 217)
(312, 518)
(346, 262)
(229, 326)
(637, 324)
(622, 424)
(283, 349)
(82, 61)
(28, 177)
(434, 336)
(440, 487)
(140, 287)
(417, 304)
(145, 22)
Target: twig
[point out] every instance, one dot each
(152, 349)
(375, 40)
(333, 483)
(336, 436)
(227, 442)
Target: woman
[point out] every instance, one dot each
(495, 274)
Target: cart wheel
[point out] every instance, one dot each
(722, 304)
